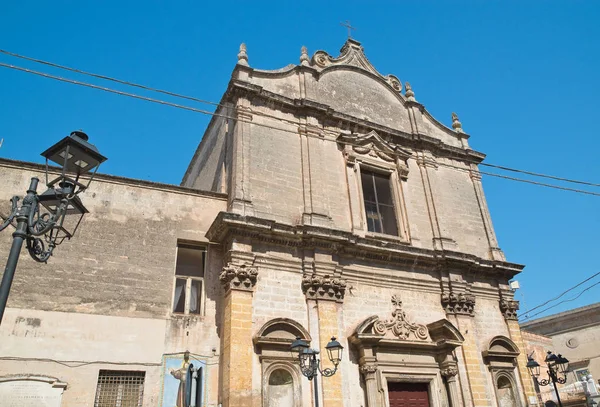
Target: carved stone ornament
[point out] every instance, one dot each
(369, 368)
(463, 304)
(456, 124)
(373, 145)
(509, 308)
(449, 371)
(238, 277)
(324, 288)
(304, 59)
(398, 325)
(352, 54)
(243, 55)
(410, 95)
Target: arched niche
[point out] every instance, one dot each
(281, 377)
(501, 358)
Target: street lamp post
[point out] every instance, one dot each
(557, 371)
(42, 232)
(309, 364)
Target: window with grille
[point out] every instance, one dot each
(117, 388)
(188, 296)
(379, 204)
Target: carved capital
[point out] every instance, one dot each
(461, 304)
(238, 277)
(449, 371)
(324, 288)
(368, 369)
(509, 308)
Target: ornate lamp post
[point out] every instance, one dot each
(309, 364)
(40, 220)
(557, 371)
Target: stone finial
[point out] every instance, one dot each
(456, 124)
(462, 304)
(509, 308)
(304, 59)
(324, 288)
(410, 95)
(238, 277)
(242, 55)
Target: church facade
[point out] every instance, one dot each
(323, 201)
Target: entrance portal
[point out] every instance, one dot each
(408, 394)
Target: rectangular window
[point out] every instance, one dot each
(379, 204)
(189, 279)
(117, 388)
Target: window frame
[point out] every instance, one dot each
(389, 170)
(188, 281)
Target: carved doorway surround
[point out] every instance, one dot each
(396, 350)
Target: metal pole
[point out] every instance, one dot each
(316, 391)
(553, 378)
(15, 250)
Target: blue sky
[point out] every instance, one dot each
(522, 76)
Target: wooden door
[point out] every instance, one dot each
(408, 394)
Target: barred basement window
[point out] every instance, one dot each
(117, 388)
(188, 297)
(379, 205)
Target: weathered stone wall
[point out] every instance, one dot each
(104, 299)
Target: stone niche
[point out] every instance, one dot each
(31, 391)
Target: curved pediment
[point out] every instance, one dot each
(282, 329)
(372, 144)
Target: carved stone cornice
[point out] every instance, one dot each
(460, 304)
(399, 325)
(229, 225)
(509, 308)
(238, 277)
(324, 288)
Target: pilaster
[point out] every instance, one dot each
(241, 201)
(238, 283)
(369, 371)
(328, 292)
(495, 252)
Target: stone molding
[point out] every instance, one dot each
(459, 304)
(399, 325)
(324, 288)
(229, 225)
(509, 308)
(238, 277)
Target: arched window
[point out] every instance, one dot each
(505, 392)
(281, 389)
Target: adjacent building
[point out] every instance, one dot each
(323, 201)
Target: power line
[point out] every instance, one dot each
(178, 95)
(561, 294)
(179, 106)
(562, 302)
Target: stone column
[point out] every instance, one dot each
(449, 372)
(509, 309)
(369, 372)
(236, 343)
(329, 294)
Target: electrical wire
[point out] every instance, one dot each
(206, 112)
(178, 95)
(561, 294)
(562, 302)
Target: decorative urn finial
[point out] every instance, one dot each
(304, 59)
(456, 124)
(410, 95)
(243, 55)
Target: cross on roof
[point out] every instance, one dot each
(349, 27)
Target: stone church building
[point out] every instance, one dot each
(323, 200)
